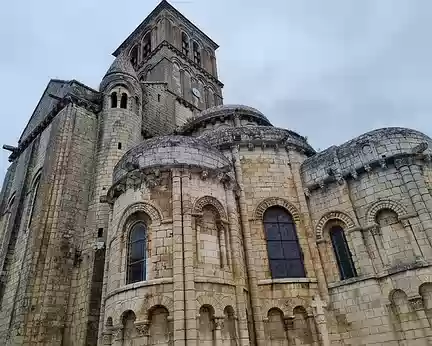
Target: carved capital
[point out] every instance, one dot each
(219, 323)
(367, 167)
(416, 303)
(418, 149)
(320, 319)
(107, 338)
(340, 179)
(204, 175)
(354, 174)
(143, 328)
(375, 230)
(251, 146)
(117, 333)
(307, 192)
(404, 222)
(404, 161)
(383, 163)
(321, 184)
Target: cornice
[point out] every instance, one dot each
(398, 160)
(151, 177)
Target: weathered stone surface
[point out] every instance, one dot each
(116, 230)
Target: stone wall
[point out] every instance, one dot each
(382, 202)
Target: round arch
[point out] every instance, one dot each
(333, 215)
(274, 202)
(384, 204)
(209, 200)
(152, 211)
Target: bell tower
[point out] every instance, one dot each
(171, 56)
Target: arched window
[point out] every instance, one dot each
(134, 56)
(8, 260)
(342, 252)
(196, 53)
(284, 252)
(114, 100)
(32, 202)
(185, 44)
(123, 101)
(137, 253)
(216, 99)
(147, 45)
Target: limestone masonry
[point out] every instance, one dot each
(149, 213)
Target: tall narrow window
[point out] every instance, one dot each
(123, 101)
(33, 202)
(284, 252)
(342, 252)
(196, 53)
(134, 56)
(147, 45)
(137, 253)
(185, 44)
(10, 250)
(114, 100)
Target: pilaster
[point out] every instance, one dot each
(252, 275)
(178, 261)
(238, 272)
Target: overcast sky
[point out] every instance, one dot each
(328, 69)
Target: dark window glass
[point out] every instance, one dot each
(284, 253)
(137, 253)
(114, 100)
(123, 101)
(185, 44)
(147, 46)
(196, 53)
(343, 254)
(134, 56)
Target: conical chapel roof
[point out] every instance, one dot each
(122, 65)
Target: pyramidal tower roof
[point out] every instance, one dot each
(163, 5)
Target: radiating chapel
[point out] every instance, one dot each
(147, 212)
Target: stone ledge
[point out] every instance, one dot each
(214, 280)
(137, 285)
(351, 281)
(381, 275)
(287, 281)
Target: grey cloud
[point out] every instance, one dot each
(329, 70)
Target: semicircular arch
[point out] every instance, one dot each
(333, 215)
(151, 210)
(209, 200)
(276, 202)
(398, 208)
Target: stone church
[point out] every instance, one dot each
(147, 212)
